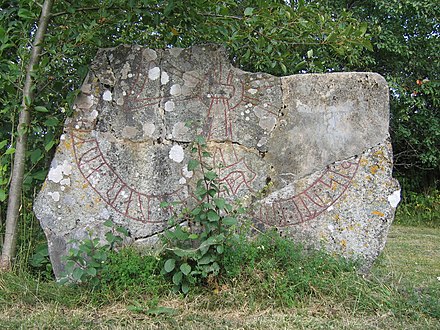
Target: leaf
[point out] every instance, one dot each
(200, 140)
(220, 249)
(283, 67)
(49, 145)
(310, 53)
(169, 265)
(168, 8)
(10, 151)
(196, 211)
(40, 175)
(185, 287)
(248, 11)
(41, 109)
(180, 234)
(213, 216)
(26, 14)
(192, 164)
(164, 204)
(212, 192)
(229, 221)
(2, 195)
(77, 274)
(367, 44)
(108, 223)
(36, 155)
(177, 278)
(301, 65)
(161, 310)
(27, 101)
(52, 122)
(3, 143)
(207, 259)
(92, 271)
(363, 28)
(185, 268)
(123, 231)
(220, 203)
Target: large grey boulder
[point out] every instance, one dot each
(308, 154)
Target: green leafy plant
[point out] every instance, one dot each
(41, 262)
(85, 263)
(128, 271)
(193, 248)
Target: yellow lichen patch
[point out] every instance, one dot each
(363, 162)
(336, 216)
(374, 169)
(343, 243)
(85, 185)
(67, 145)
(380, 214)
(378, 153)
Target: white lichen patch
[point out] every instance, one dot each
(57, 173)
(55, 195)
(186, 173)
(148, 129)
(252, 91)
(182, 181)
(176, 153)
(93, 114)
(164, 78)
(65, 182)
(169, 106)
(394, 198)
(262, 141)
(175, 90)
(107, 96)
(120, 101)
(154, 73)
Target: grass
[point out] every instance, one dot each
(402, 292)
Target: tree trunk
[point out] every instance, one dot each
(15, 189)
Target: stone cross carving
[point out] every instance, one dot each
(317, 145)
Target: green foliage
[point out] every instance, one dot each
(406, 39)
(194, 246)
(404, 294)
(282, 269)
(86, 262)
(40, 261)
(419, 210)
(128, 272)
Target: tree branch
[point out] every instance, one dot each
(15, 189)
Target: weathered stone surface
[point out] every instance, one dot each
(318, 144)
